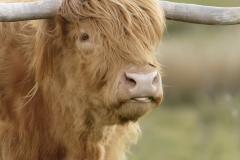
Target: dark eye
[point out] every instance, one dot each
(126, 32)
(84, 37)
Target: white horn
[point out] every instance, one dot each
(10, 12)
(201, 14)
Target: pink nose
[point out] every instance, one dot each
(142, 85)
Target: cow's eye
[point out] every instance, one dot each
(84, 37)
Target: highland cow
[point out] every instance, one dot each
(73, 87)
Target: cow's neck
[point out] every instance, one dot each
(81, 133)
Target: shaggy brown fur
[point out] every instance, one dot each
(60, 97)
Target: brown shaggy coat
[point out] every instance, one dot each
(59, 80)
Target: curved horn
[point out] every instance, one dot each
(201, 14)
(10, 12)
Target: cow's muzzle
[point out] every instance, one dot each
(142, 85)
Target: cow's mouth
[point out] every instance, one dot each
(136, 107)
(141, 99)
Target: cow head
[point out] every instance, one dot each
(106, 55)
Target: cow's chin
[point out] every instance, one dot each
(133, 110)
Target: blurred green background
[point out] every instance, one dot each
(199, 117)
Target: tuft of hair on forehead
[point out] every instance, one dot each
(129, 26)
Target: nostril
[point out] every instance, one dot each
(130, 80)
(156, 79)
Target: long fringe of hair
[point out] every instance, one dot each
(128, 28)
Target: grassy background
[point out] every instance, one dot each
(199, 118)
